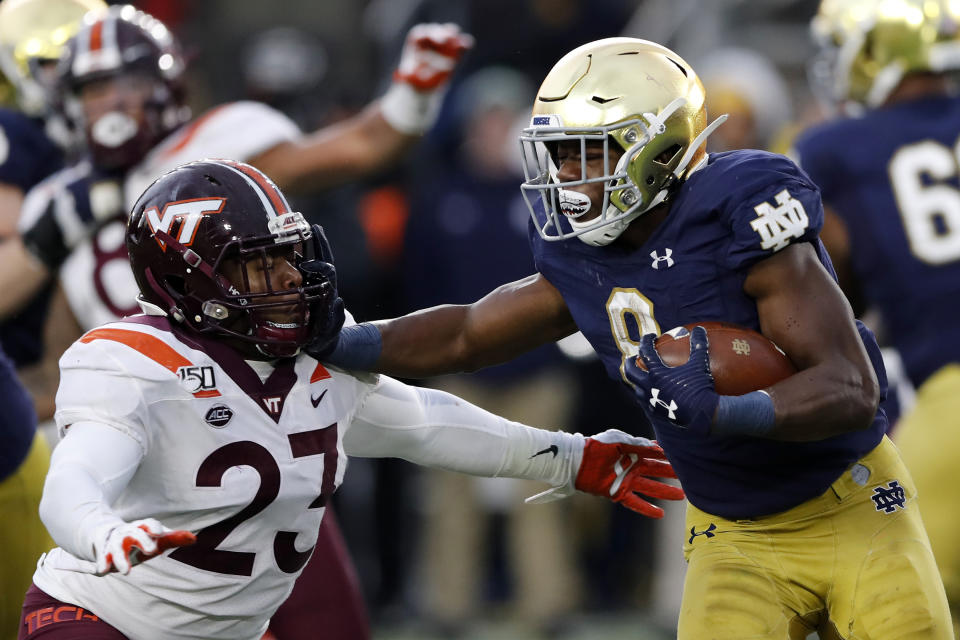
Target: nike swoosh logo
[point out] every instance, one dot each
(316, 401)
(551, 449)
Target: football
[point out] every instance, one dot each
(741, 360)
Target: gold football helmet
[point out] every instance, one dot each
(33, 32)
(867, 46)
(632, 93)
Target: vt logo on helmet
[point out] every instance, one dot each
(188, 211)
(628, 95)
(214, 245)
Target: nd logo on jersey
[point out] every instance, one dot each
(777, 225)
(189, 211)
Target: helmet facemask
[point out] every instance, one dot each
(633, 94)
(238, 298)
(116, 138)
(648, 169)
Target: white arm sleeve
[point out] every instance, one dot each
(89, 468)
(437, 429)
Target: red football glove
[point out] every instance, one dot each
(131, 543)
(615, 465)
(430, 54)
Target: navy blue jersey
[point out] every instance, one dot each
(892, 177)
(27, 156)
(735, 211)
(18, 422)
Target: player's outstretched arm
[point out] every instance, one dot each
(379, 134)
(436, 429)
(507, 322)
(89, 469)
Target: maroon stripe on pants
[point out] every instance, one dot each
(326, 600)
(50, 619)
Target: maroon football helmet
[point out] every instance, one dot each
(203, 221)
(124, 45)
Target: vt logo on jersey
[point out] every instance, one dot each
(664, 258)
(188, 212)
(709, 532)
(889, 498)
(777, 225)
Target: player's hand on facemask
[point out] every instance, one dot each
(316, 271)
(684, 395)
(430, 55)
(618, 466)
(122, 547)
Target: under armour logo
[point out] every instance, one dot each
(655, 401)
(777, 225)
(890, 497)
(664, 258)
(709, 532)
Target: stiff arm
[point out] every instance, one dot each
(508, 321)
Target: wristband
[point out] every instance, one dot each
(410, 111)
(358, 348)
(748, 415)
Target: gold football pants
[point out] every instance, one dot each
(22, 536)
(854, 563)
(929, 441)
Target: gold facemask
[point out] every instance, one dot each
(634, 94)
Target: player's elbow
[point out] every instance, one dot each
(864, 400)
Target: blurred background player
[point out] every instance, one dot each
(888, 170)
(121, 86)
(744, 84)
(32, 145)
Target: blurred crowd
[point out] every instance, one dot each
(447, 224)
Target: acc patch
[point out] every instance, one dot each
(218, 416)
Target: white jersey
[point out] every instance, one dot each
(245, 464)
(96, 274)
(202, 442)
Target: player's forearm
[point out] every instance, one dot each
(432, 342)
(436, 429)
(87, 472)
(338, 153)
(826, 400)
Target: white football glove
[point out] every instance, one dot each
(615, 466)
(120, 548)
(430, 55)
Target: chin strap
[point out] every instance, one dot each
(700, 139)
